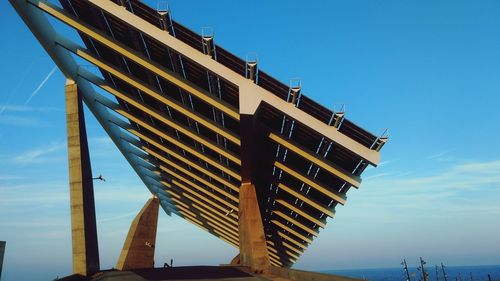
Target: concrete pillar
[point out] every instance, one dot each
(139, 248)
(83, 222)
(253, 248)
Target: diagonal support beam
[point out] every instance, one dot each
(193, 175)
(334, 195)
(322, 163)
(139, 248)
(190, 194)
(190, 150)
(296, 222)
(150, 111)
(306, 200)
(43, 30)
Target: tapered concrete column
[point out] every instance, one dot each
(139, 247)
(253, 248)
(83, 222)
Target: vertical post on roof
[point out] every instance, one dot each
(294, 92)
(139, 248)
(380, 141)
(83, 221)
(253, 248)
(251, 69)
(207, 41)
(338, 117)
(164, 15)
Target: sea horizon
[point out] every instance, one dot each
(454, 273)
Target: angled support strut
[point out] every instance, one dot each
(139, 248)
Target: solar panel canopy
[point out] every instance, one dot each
(196, 121)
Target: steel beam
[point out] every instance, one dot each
(217, 216)
(223, 217)
(184, 160)
(299, 252)
(329, 167)
(289, 229)
(155, 114)
(192, 151)
(217, 198)
(306, 200)
(230, 217)
(216, 225)
(295, 222)
(334, 195)
(203, 198)
(301, 212)
(293, 241)
(178, 176)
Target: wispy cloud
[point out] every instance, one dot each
(20, 121)
(465, 176)
(40, 86)
(377, 176)
(29, 195)
(39, 154)
(26, 108)
(8, 177)
(385, 163)
(464, 188)
(105, 140)
(119, 217)
(441, 156)
(16, 88)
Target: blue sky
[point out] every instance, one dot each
(427, 70)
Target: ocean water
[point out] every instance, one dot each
(454, 273)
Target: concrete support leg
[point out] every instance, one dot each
(139, 248)
(253, 248)
(83, 222)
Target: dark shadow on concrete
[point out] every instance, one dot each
(190, 272)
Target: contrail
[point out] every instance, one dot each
(28, 69)
(41, 84)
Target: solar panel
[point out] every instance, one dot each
(185, 107)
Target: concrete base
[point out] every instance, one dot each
(300, 275)
(208, 273)
(139, 247)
